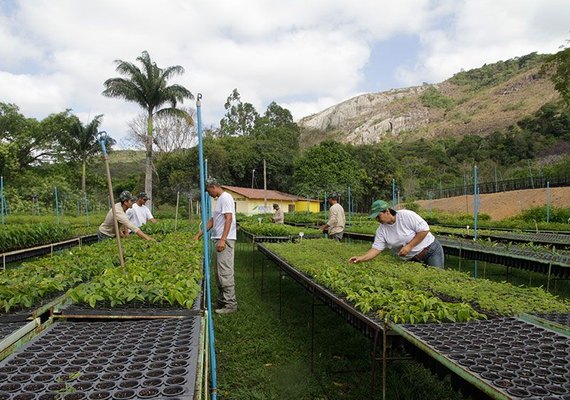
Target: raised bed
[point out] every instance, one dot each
(504, 358)
(23, 254)
(537, 260)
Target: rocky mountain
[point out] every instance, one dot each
(478, 101)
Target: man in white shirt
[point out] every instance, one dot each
(406, 233)
(224, 234)
(337, 220)
(139, 214)
(107, 228)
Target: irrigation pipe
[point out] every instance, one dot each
(203, 200)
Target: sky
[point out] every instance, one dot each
(306, 55)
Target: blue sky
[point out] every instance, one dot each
(306, 55)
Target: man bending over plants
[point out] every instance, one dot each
(107, 228)
(406, 233)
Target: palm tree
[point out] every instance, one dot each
(148, 87)
(81, 142)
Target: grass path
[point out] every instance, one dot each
(261, 357)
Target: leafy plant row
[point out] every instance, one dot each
(162, 273)
(408, 292)
(47, 277)
(270, 229)
(15, 237)
(28, 284)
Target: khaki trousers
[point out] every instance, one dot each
(225, 275)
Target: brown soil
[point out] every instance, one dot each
(501, 205)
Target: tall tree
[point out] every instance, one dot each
(171, 132)
(25, 141)
(80, 142)
(328, 167)
(240, 117)
(148, 87)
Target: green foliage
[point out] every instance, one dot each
(557, 215)
(494, 74)
(433, 98)
(559, 65)
(39, 280)
(270, 229)
(328, 167)
(240, 117)
(550, 120)
(20, 236)
(406, 292)
(273, 138)
(164, 273)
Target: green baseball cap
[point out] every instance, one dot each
(377, 207)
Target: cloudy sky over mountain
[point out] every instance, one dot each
(304, 54)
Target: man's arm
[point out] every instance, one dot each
(227, 226)
(405, 250)
(369, 255)
(209, 225)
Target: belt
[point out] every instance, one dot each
(420, 256)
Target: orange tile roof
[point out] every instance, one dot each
(260, 194)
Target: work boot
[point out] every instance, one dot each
(226, 310)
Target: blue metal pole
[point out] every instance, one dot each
(475, 213)
(206, 247)
(208, 199)
(56, 206)
(394, 194)
(547, 202)
(349, 207)
(2, 198)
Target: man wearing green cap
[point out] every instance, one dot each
(107, 228)
(406, 233)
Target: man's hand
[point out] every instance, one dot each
(405, 250)
(221, 245)
(354, 260)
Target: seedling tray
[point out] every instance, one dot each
(506, 358)
(106, 360)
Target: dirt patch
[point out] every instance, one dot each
(501, 205)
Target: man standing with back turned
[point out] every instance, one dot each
(223, 225)
(337, 220)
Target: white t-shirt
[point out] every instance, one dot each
(139, 215)
(397, 235)
(224, 205)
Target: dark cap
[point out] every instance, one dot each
(126, 195)
(333, 196)
(144, 196)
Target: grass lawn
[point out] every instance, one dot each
(262, 357)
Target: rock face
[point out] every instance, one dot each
(370, 117)
(403, 114)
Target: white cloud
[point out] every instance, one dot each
(487, 31)
(56, 54)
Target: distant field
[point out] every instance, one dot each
(501, 205)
